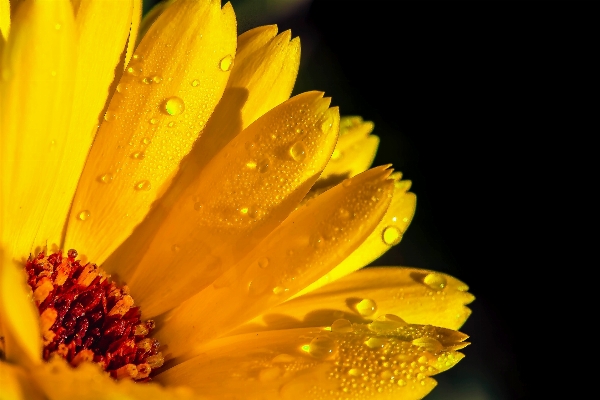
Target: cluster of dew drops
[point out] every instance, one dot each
(171, 106)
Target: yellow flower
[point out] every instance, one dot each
(234, 213)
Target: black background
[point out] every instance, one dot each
(471, 101)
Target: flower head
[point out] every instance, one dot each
(219, 224)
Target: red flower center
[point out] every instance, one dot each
(86, 317)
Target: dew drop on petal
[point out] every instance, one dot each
(366, 307)
(143, 185)
(346, 183)
(341, 326)
(107, 178)
(195, 82)
(171, 124)
(157, 79)
(259, 285)
(298, 151)
(277, 290)
(355, 372)
(376, 342)
(226, 63)
(175, 248)
(174, 106)
(197, 206)
(85, 214)
(154, 121)
(263, 262)
(138, 155)
(401, 382)
(322, 347)
(391, 235)
(435, 281)
(146, 140)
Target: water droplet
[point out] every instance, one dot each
(259, 284)
(143, 185)
(298, 151)
(401, 382)
(134, 69)
(171, 124)
(355, 372)
(376, 343)
(147, 80)
(429, 344)
(346, 183)
(146, 140)
(322, 347)
(106, 178)
(263, 262)
(423, 360)
(85, 214)
(120, 87)
(435, 281)
(137, 57)
(244, 210)
(250, 146)
(174, 106)
(195, 82)
(154, 121)
(226, 63)
(197, 206)
(387, 323)
(139, 155)
(157, 79)
(268, 374)
(277, 290)
(391, 235)
(341, 326)
(57, 26)
(251, 164)
(366, 307)
(110, 116)
(263, 165)
(283, 358)
(175, 248)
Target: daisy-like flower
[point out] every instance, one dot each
(169, 214)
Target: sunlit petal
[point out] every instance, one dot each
(151, 123)
(388, 361)
(38, 64)
(241, 196)
(304, 247)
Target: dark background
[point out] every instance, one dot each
(471, 101)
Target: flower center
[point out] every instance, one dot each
(84, 316)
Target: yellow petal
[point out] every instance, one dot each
(135, 27)
(88, 382)
(389, 362)
(36, 90)
(355, 150)
(95, 71)
(151, 16)
(305, 246)
(264, 61)
(20, 318)
(4, 18)
(16, 385)
(416, 295)
(388, 233)
(151, 123)
(241, 196)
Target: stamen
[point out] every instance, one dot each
(86, 317)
